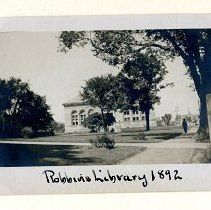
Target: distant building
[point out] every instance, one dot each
(76, 111)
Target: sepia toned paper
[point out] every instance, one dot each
(45, 165)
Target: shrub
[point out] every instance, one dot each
(104, 140)
(27, 132)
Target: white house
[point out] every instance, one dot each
(76, 111)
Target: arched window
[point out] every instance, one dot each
(82, 116)
(74, 117)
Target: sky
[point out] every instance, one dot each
(34, 57)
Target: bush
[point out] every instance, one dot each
(104, 140)
(27, 132)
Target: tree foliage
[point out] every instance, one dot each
(101, 92)
(140, 81)
(95, 121)
(114, 47)
(118, 47)
(58, 127)
(21, 107)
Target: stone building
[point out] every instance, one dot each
(76, 111)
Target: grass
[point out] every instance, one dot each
(14, 155)
(58, 155)
(132, 136)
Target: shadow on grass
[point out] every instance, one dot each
(167, 136)
(14, 155)
(157, 137)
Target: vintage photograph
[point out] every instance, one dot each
(106, 97)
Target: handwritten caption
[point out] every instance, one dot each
(105, 176)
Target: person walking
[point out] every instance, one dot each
(185, 126)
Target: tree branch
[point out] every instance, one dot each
(188, 60)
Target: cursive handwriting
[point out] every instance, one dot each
(106, 176)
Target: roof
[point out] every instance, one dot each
(73, 102)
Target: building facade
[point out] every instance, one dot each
(76, 111)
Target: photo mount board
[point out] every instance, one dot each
(103, 178)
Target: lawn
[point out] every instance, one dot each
(127, 136)
(58, 155)
(14, 155)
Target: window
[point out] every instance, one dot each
(126, 112)
(126, 119)
(135, 112)
(143, 118)
(74, 118)
(135, 118)
(82, 116)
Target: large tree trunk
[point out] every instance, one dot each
(203, 112)
(105, 127)
(147, 112)
(203, 131)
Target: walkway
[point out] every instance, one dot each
(181, 149)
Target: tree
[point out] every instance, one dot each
(34, 112)
(140, 81)
(117, 47)
(4, 103)
(93, 122)
(23, 108)
(166, 119)
(101, 92)
(58, 127)
(194, 47)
